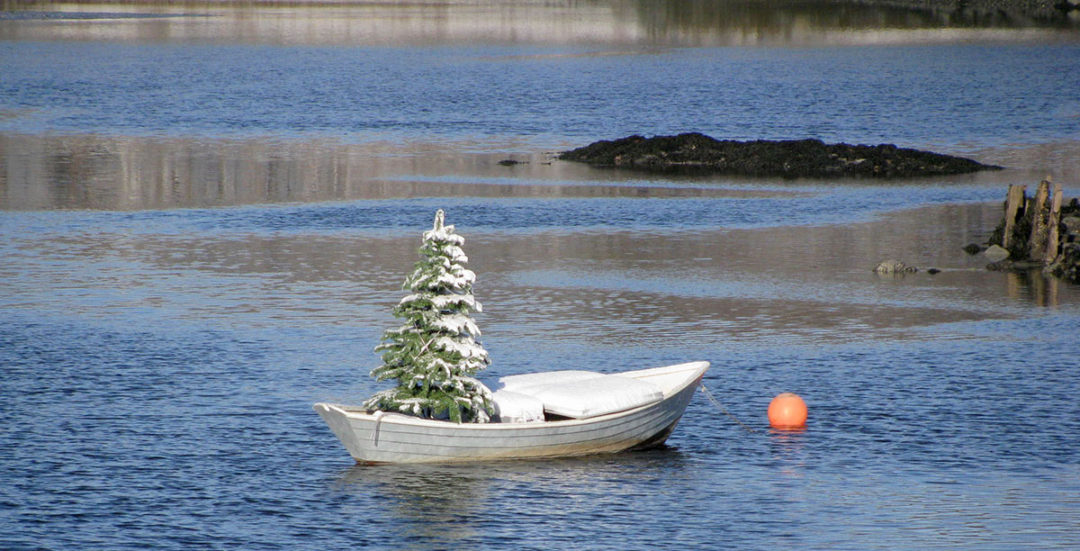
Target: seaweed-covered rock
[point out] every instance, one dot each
(894, 267)
(1067, 264)
(694, 152)
(973, 248)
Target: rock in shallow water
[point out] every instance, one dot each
(894, 267)
(1067, 264)
(973, 248)
(996, 253)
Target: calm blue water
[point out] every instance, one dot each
(912, 95)
(157, 367)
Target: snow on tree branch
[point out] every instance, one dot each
(434, 355)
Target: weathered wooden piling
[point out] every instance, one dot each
(1031, 232)
(1040, 226)
(1054, 233)
(1013, 201)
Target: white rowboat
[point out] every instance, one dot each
(383, 437)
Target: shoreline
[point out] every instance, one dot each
(1026, 8)
(1014, 6)
(616, 25)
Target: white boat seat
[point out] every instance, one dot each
(583, 394)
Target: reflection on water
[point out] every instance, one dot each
(435, 505)
(1034, 286)
(464, 505)
(136, 173)
(267, 267)
(123, 173)
(614, 23)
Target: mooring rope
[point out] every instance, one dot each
(375, 433)
(717, 403)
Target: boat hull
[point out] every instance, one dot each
(394, 438)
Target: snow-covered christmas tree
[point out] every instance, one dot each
(434, 355)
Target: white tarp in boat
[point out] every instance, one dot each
(515, 407)
(582, 394)
(596, 396)
(526, 382)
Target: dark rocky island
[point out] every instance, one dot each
(698, 153)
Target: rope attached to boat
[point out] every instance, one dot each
(375, 433)
(717, 403)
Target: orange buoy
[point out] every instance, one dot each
(787, 411)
